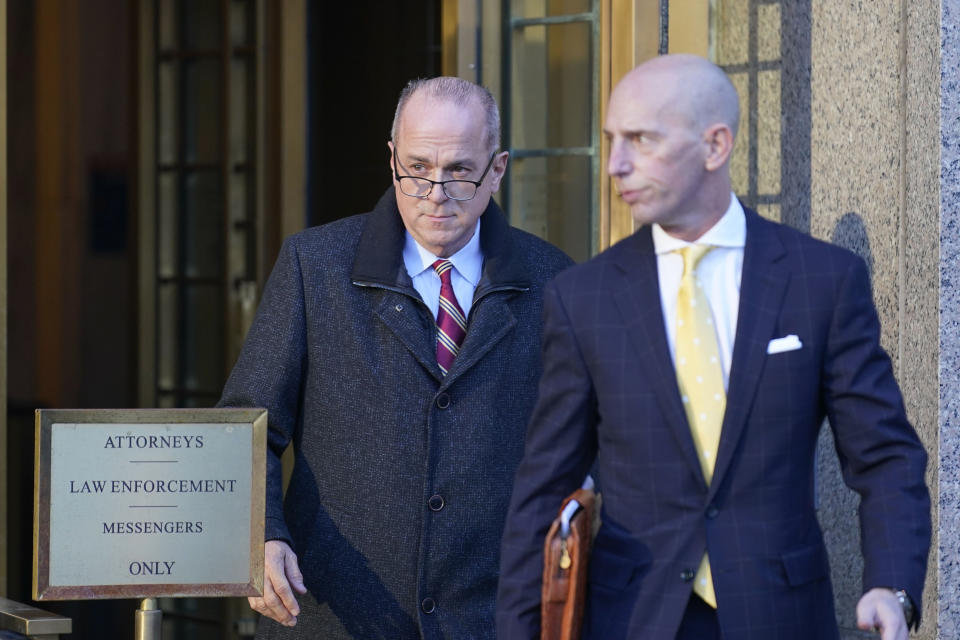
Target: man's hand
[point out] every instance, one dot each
(879, 610)
(281, 577)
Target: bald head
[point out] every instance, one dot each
(689, 86)
(671, 124)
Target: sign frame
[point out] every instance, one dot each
(197, 418)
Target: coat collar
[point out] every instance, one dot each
(379, 264)
(379, 257)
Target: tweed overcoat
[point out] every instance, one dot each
(402, 476)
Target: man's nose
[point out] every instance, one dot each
(437, 194)
(619, 164)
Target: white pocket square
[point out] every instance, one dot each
(786, 343)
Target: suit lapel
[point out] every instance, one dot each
(763, 284)
(639, 306)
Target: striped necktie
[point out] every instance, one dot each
(451, 323)
(700, 378)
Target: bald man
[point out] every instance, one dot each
(694, 362)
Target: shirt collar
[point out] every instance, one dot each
(729, 231)
(468, 261)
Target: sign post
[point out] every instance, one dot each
(148, 622)
(149, 503)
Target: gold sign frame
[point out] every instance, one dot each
(255, 419)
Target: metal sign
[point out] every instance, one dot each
(149, 503)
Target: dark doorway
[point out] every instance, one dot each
(362, 53)
(72, 252)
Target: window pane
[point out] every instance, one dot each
(542, 8)
(204, 115)
(552, 79)
(551, 198)
(201, 402)
(167, 27)
(167, 112)
(203, 338)
(203, 225)
(240, 18)
(167, 227)
(166, 401)
(239, 100)
(167, 321)
(241, 231)
(201, 24)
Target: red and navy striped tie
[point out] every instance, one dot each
(451, 323)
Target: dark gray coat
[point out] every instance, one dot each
(402, 477)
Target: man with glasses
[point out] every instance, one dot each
(398, 352)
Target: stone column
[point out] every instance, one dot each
(877, 123)
(946, 547)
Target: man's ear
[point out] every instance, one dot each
(390, 146)
(498, 170)
(719, 141)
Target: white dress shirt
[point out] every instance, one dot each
(719, 271)
(467, 267)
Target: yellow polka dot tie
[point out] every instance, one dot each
(700, 378)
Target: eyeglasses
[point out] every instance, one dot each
(453, 189)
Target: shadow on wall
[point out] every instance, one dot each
(835, 500)
(850, 233)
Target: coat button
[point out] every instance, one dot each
(435, 503)
(712, 512)
(687, 575)
(443, 400)
(428, 605)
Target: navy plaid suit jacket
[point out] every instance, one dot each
(608, 396)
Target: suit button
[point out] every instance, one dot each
(687, 575)
(712, 512)
(428, 605)
(435, 503)
(443, 400)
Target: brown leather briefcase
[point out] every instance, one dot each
(565, 562)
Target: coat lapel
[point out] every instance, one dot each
(379, 265)
(490, 321)
(503, 276)
(763, 284)
(399, 312)
(639, 307)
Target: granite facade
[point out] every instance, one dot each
(947, 460)
(868, 150)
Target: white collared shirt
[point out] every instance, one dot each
(467, 267)
(719, 271)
